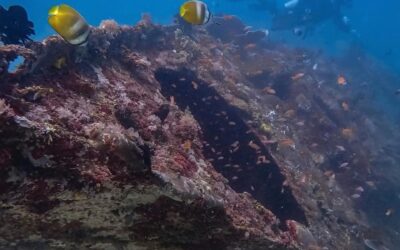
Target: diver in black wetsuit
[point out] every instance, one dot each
(303, 15)
(15, 28)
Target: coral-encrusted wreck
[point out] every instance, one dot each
(156, 138)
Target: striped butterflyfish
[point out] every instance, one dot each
(69, 24)
(195, 12)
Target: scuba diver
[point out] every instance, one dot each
(302, 16)
(15, 28)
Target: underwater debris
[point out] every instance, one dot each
(15, 28)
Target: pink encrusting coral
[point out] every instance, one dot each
(153, 138)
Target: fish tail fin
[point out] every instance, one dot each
(210, 16)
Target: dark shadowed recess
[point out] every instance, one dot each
(227, 140)
(209, 228)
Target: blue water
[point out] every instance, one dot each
(376, 22)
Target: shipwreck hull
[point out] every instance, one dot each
(151, 139)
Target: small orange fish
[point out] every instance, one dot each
(347, 133)
(341, 80)
(228, 17)
(287, 143)
(250, 46)
(345, 106)
(268, 90)
(329, 173)
(297, 76)
(289, 114)
(187, 145)
(254, 145)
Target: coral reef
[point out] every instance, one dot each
(153, 138)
